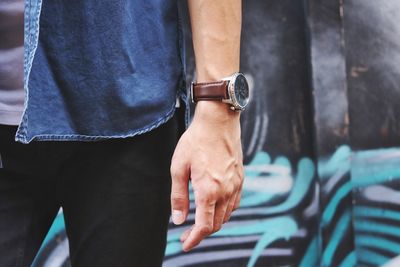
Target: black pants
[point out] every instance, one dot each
(115, 196)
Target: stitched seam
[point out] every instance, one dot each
(32, 42)
(80, 137)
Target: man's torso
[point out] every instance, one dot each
(101, 69)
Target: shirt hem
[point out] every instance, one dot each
(80, 137)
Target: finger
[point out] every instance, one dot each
(220, 210)
(238, 198)
(179, 192)
(240, 188)
(231, 205)
(186, 234)
(204, 219)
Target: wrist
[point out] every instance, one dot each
(216, 111)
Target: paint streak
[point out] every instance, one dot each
(340, 160)
(331, 208)
(380, 243)
(350, 260)
(341, 227)
(284, 228)
(365, 211)
(311, 256)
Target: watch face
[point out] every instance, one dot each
(241, 90)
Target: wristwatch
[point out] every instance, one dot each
(233, 90)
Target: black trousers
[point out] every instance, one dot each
(115, 195)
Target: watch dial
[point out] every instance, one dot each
(241, 90)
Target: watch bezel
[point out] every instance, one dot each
(231, 92)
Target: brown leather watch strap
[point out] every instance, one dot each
(210, 90)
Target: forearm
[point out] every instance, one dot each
(214, 132)
(216, 30)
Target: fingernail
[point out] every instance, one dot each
(177, 216)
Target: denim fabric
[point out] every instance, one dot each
(101, 70)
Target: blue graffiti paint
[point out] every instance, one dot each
(311, 256)
(372, 236)
(371, 178)
(57, 227)
(261, 158)
(375, 227)
(342, 226)
(363, 211)
(375, 167)
(278, 226)
(303, 182)
(378, 242)
(255, 199)
(285, 227)
(331, 208)
(371, 257)
(282, 161)
(173, 248)
(258, 198)
(350, 260)
(340, 160)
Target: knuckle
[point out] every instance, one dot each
(231, 189)
(205, 229)
(177, 196)
(211, 192)
(202, 197)
(226, 197)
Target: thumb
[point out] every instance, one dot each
(179, 192)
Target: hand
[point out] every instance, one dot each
(210, 154)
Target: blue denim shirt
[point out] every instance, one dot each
(123, 81)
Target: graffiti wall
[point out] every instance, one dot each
(321, 141)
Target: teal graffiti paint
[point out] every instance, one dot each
(277, 227)
(364, 211)
(371, 257)
(311, 256)
(334, 202)
(378, 242)
(343, 224)
(284, 228)
(375, 227)
(350, 260)
(303, 182)
(340, 160)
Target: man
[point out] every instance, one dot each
(102, 82)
